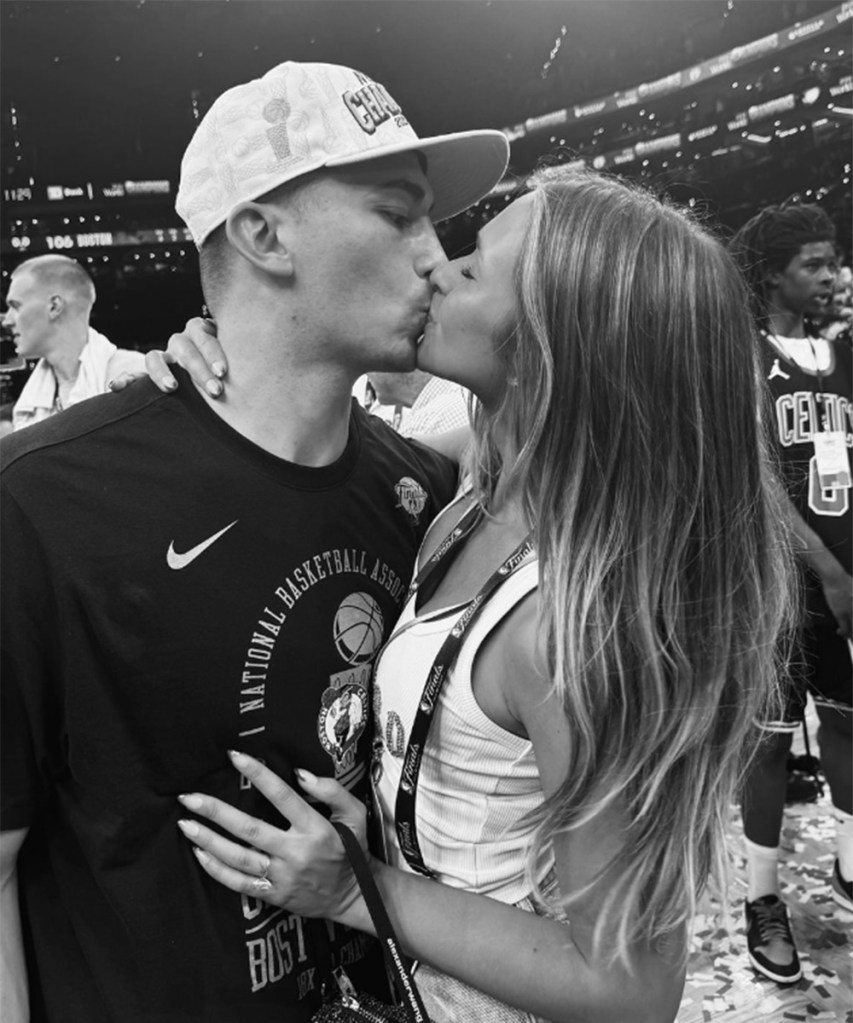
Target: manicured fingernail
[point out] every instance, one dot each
(111, 385)
(201, 855)
(189, 828)
(218, 369)
(192, 802)
(213, 388)
(169, 383)
(305, 777)
(238, 758)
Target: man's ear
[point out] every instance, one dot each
(55, 305)
(772, 279)
(256, 231)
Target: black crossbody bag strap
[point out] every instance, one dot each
(395, 961)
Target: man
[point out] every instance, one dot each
(49, 305)
(231, 578)
(418, 404)
(788, 254)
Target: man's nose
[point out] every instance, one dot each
(441, 274)
(430, 253)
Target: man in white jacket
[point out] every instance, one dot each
(49, 303)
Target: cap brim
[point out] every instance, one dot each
(461, 168)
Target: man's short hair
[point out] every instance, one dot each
(215, 255)
(64, 274)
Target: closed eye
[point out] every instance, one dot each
(466, 272)
(400, 220)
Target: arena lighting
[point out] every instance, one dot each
(740, 122)
(689, 77)
(702, 133)
(811, 96)
(659, 144)
(773, 106)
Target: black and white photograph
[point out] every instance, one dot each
(426, 546)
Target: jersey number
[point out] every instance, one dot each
(826, 500)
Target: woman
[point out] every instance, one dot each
(586, 744)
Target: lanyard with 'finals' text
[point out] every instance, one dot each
(444, 554)
(405, 805)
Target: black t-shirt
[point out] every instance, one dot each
(172, 591)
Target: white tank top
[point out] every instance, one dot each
(477, 780)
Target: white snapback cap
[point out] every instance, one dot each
(298, 118)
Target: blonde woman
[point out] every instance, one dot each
(582, 752)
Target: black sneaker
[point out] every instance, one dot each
(842, 891)
(769, 940)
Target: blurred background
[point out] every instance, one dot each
(725, 104)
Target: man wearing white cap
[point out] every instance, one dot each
(230, 584)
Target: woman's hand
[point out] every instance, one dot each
(305, 868)
(196, 349)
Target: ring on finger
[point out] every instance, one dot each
(263, 883)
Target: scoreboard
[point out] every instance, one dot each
(38, 218)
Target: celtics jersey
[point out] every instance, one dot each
(813, 394)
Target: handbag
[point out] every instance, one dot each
(346, 1005)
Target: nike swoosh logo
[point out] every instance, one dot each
(179, 561)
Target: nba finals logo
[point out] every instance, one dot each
(358, 629)
(411, 496)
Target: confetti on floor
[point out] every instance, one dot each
(721, 985)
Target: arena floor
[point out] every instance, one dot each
(721, 984)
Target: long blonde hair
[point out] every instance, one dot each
(634, 406)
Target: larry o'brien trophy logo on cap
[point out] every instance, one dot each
(357, 630)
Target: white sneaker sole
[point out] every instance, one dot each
(780, 978)
(841, 899)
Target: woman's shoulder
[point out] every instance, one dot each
(519, 643)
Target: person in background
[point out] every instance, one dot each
(605, 606)
(49, 304)
(788, 256)
(183, 576)
(836, 324)
(6, 418)
(419, 404)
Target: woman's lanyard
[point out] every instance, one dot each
(445, 658)
(444, 555)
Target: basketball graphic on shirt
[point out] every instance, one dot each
(358, 628)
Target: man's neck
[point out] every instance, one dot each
(64, 359)
(786, 323)
(300, 414)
